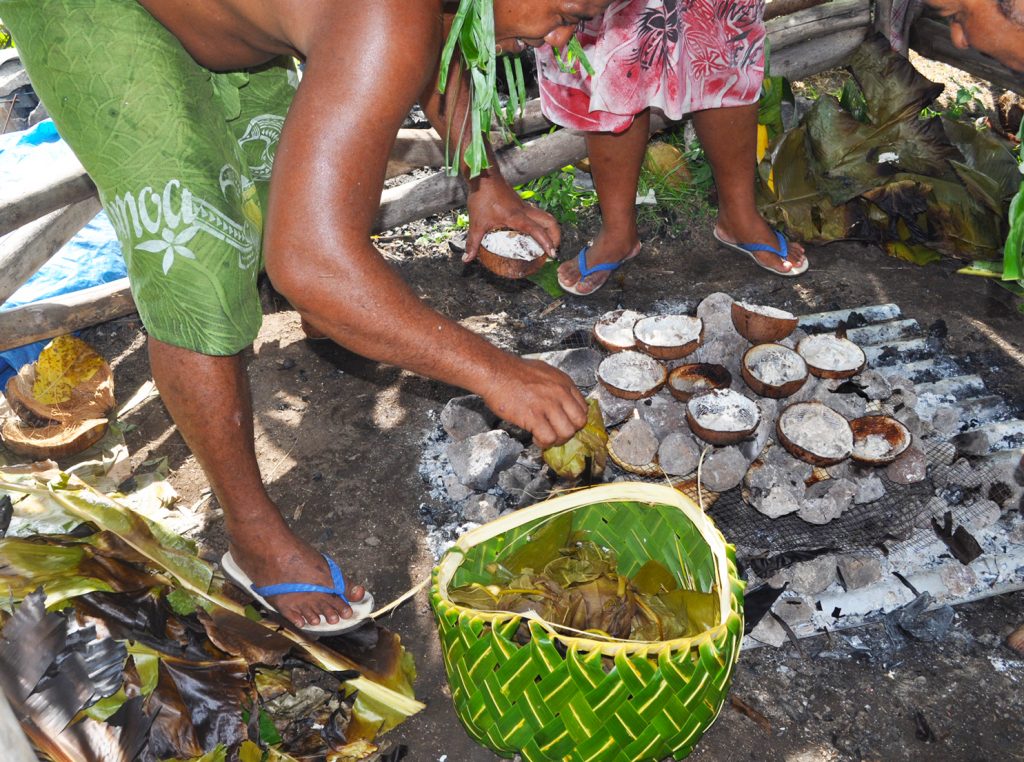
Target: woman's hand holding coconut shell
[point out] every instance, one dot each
(493, 204)
(537, 397)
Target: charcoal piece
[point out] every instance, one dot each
(961, 543)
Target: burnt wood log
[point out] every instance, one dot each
(65, 313)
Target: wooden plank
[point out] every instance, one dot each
(15, 746)
(827, 19)
(65, 313)
(819, 54)
(930, 38)
(66, 185)
(27, 249)
(775, 8)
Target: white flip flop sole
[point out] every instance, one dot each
(797, 270)
(361, 610)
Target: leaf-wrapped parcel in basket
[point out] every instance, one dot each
(620, 648)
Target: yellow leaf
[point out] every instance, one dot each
(762, 141)
(65, 363)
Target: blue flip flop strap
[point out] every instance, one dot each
(581, 263)
(268, 591)
(782, 252)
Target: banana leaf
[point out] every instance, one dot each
(893, 89)
(176, 558)
(588, 445)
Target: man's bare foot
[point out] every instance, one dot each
(757, 230)
(604, 250)
(287, 559)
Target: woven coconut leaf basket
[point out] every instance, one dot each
(578, 697)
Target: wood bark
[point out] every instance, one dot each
(815, 23)
(65, 313)
(776, 8)
(930, 38)
(30, 247)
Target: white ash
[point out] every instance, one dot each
(724, 410)
(763, 309)
(791, 341)
(664, 413)
(818, 429)
(512, 245)
(872, 447)
(635, 443)
(775, 366)
(831, 353)
(616, 328)
(667, 330)
(723, 469)
(678, 454)
(718, 303)
(614, 410)
(631, 371)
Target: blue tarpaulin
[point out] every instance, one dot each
(91, 258)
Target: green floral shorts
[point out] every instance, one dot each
(181, 156)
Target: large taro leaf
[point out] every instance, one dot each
(961, 226)
(794, 201)
(892, 88)
(986, 152)
(174, 556)
(852, 157)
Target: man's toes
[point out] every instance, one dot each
(356, 593)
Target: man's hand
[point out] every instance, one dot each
(493, 204)
(539, 398)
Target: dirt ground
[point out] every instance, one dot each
(339, 437)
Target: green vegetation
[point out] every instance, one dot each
(6, 41)
(559, 194)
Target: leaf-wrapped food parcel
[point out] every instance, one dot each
(589, 443)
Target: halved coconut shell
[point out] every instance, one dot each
(879, 439)
(815, 433)
(55, 441)
(90, 399)
(511, 254)
(688, 381)
(722, 417)
(759, 324)
(631, 375)
(773, 370)
(829, 356)
(614, 330)
(668, 337)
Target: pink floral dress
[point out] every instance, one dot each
(677, 56)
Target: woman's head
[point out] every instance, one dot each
(521, 24)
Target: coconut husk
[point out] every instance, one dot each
(53, 441)
(90, 399)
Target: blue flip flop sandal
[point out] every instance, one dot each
(585, 271)
(782, 252)
(360, 611)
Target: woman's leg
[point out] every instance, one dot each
(615, 161)
(729, 139)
